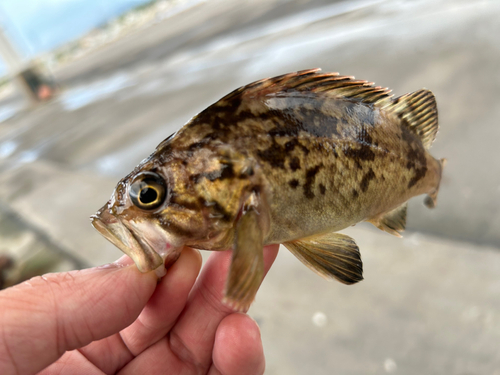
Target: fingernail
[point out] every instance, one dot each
(125, 260)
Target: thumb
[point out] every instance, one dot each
(42, 318)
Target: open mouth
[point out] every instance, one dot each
(115, 231)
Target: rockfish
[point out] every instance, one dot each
(291, 160)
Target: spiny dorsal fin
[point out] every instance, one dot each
(314, 81)
(419, 112)
(332, 255)
(393, 222)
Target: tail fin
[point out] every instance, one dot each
(431, 199)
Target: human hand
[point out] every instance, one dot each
(113, 319)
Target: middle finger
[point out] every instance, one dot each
(193, 336)
(166, 303)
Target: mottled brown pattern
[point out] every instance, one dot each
(305, 153)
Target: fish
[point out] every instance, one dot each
(287, 160)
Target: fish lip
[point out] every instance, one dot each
(116, 232)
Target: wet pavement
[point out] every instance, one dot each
(429, 303)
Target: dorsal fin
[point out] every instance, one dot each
(313, 80)
(418, 110)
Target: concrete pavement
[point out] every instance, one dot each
(425, 306)
(429, 303)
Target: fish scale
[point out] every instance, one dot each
(291, 159)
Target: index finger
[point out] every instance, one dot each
(42, 318)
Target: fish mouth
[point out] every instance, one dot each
(116, 232)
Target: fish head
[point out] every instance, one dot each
(132, 218)
(174, 198)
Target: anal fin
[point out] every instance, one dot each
(393, 222)
(247, 265)
(333, 256)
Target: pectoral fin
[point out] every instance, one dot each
(247, 265)
(393, 222)
(333, 255)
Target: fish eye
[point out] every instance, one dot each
(147, 191)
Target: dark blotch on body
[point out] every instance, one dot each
(294, 163)
(232, 102)
(216, 208)
(290, 146)
(355, 193)
(365, 137)
(365, 181)
(227, 172)
(419, 174)
(315, 122)
(364, 152)
(293, 183)
(322, 189)
(291, 121)
(274, 155)
(221, 211)
(310, 177)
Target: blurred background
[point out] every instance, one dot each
(90, 87)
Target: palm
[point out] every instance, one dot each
(181, 327)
